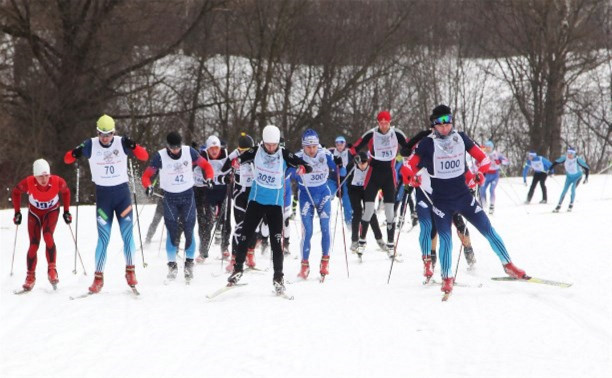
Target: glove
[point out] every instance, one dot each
(77, 152)
(479, 178)
(17, 218)
(357, 159)
(235, 164)
(338, 161)
(149, 191)
(300, 170)
(129, 143)
(67, 217)
(415, 181)
(208, 183)
(497, 161)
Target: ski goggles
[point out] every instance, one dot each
(174, 146)
(442, 120)
(108, 134)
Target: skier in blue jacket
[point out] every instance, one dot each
(573, 175)
(540, 166)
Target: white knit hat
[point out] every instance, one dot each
(41, 167)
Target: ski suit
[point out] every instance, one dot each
(346, 157)
(445, 162)
(176, 178)
(109, 172)
(355, 182)
(314, 193)
(492, 177)
(43, 211)
(266, 198)
(540, 166)
(573, 175)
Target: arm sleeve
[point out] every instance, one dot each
(151, 170)
(525, 170)
(482, 158)
(208, 170)
(248, 156)
(22, 187)
(65, 192)
(86, 151)
(363, 141)
(295, 161)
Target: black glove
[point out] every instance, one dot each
(338, 161)
(357, 159)
(77, 152)
(149, 191)
(67, 217)
(129, 143)
(208, 183)
(17, 218)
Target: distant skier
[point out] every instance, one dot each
(573, 175)
(43, 191)
(491, 176)
(175, 166)
(540, 166)
(341, 151)
(442, 153)
(108, 156)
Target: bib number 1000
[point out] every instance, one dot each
(450, 164)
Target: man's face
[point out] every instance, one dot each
(444, 129)
(384, 126)
(174, 149)
(42, 180)
(270, 147)
(363, 165)
(311, 150)
(340, 146)
(213, 151)
(106, 138)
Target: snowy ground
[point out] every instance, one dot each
(347, 327)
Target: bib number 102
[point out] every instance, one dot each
(450, 164)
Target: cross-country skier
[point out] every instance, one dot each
(266, 198)
(540, 166)
(174, 164)
(356, 180)
(341, 151)
(491, 176)
(574, 165)
(43, 190)
(442, 153)
(383, 143)
(213, 203)
(108, 156)
(314, 195)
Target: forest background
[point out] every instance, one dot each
(527, 74)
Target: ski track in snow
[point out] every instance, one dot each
(356, 327)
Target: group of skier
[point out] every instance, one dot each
(254, 183)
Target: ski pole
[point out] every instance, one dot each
(78, 253)
(342, 215)
(144, 264)
(76, 218)
(14, 248)
(399, 232)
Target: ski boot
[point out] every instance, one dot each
(354, 246)
(513, 271)
(361, 248)
(427, 268)
(390, 248)
(415, 218)
(225, 254)
(230, 267)
(218, 237)
(570, 207)
(234, 277)
(250, 258)
(324, 267)
(130, 276)
(381, 245)
(400, 222)
(52, 274)
(30, 281)
(447, 285)
(172, 271)
(305, 270)
(96, 286)
(556, 210)
(491, 209)
(279, 284)
(469, 256)
(188, 270)
(201, 259)
(543, 201)
(286, 250)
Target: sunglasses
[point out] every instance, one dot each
(109, 134)
(442, 120)
(173, 147)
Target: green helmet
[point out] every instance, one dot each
(105, 124)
